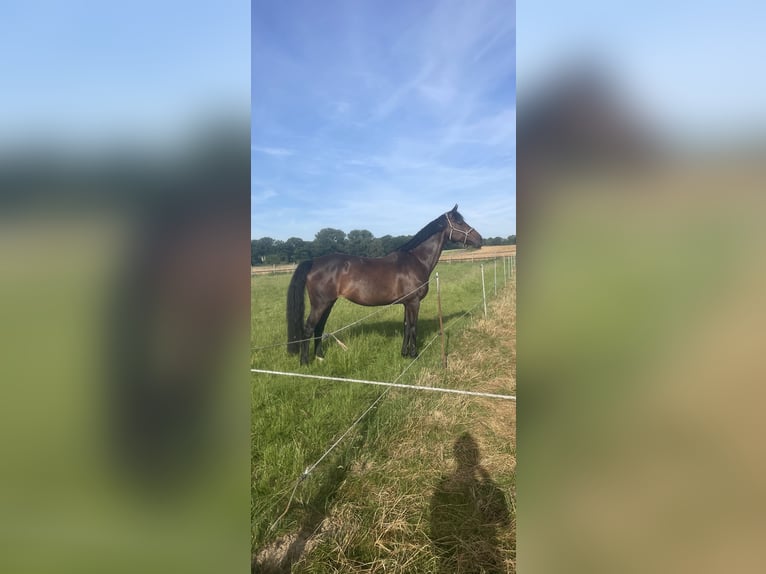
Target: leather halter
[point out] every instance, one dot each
(453, 228)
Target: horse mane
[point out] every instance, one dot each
(435, 226)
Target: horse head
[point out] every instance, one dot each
(460, 231)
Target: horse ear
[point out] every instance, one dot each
(454, 209)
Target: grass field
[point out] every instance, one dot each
(366, 506)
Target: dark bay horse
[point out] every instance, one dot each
(399, 277)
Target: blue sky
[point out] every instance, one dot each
(382, 115)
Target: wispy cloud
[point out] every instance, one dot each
(272, 151)
(261, 196)
(389, 116)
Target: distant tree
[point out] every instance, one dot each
(329, 240)
(376, 248)
(297, 250)
(387, 244)
(359, 242)
(400, 240)
(304, 252)
(512, 239)
(260, 248)
(279, 251)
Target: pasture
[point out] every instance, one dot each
(366, 503)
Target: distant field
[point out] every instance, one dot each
(486, 252)
(272, 269)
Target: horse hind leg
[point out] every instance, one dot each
(310, 329)
(319, 329)
(305, 346)
(308, 333)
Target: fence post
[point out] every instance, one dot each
(441, 326)
(483, 291)
(495, 276)
(505, 278)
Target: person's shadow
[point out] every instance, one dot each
(467, 510)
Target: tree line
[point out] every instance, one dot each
(268, 251)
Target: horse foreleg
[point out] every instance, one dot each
(409, 346)
(414, 309)
(406, 338)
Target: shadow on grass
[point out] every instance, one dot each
(467, 511)
(279, 556)
(427, 328)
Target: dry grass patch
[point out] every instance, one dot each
(486, 252)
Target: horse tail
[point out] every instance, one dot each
(296, 307)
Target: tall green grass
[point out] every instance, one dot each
(294, 420)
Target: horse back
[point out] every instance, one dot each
(366, 280)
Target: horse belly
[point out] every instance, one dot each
(367, 291)
(361, 296)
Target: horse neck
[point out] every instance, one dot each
(430, 250)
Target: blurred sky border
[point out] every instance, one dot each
(82, 76)
(694, 69)
(381, 116)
